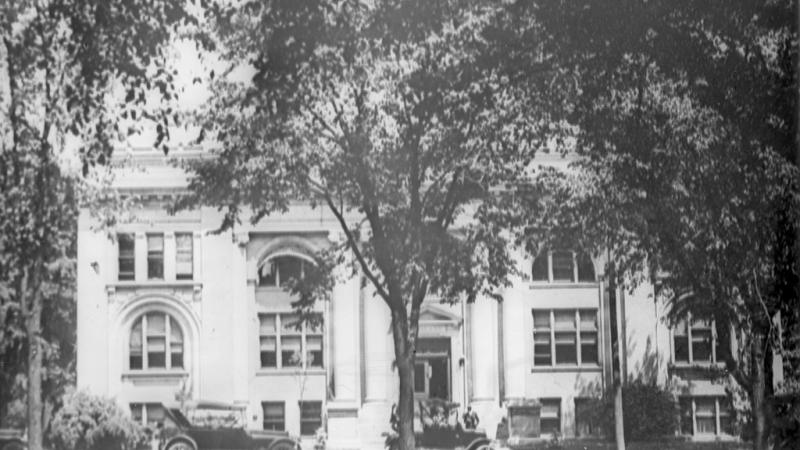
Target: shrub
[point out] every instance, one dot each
(649, 412)
(88, 422)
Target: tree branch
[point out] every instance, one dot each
(354, 247)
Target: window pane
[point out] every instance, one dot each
(156, 351)
(269, 352)
(156, 324)
(551, 415)
(127, 265)
(588, 319)
(706, 425)
(125, 241)
(267, 324)
(584, 425)
(176, 346)
(314, 351)
(419, 377)
(541, 319)
(705, 407)
(135, 346)
(310, 417)
(701, 344)
(136, 412)
(290, 324)
(589, 347)
(566, 350)
(289, 267)
(562, 266)
(585, 268)
(685, 405)
(267, 274)
(290, 351)
(274, 416)
(155, 414)
(681, 345)
(155, 243)
(564, 320)
(726, 416)
(184, 256)
(539, 269)
(541, 349)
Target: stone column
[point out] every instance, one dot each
(240, 374)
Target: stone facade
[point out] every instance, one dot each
(212, 323)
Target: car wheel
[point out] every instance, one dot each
(480, 444)
(284, 446)
(180, 445)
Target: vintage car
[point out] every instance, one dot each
(211, 425)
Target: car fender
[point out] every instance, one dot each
(479, 443)
(179, 437)
(292, 442)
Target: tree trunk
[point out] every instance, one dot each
(404, 358)
(760, 440)
(616, 364)
(33, 330)
(619, 422)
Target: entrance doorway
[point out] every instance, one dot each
(432, 369)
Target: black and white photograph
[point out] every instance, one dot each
(399, 225)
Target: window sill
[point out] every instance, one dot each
(563, 285)
(263, 372)
(699, 366)
(160, 374)
(153, 283)
(587, 368)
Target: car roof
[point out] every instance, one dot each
(206, 404)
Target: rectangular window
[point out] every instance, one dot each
(310, 417)
(550, 415)
(565, 337)
(706, 416)
(155, 256)
(696, 341)
(584, 420)
(184, 256)
(148, 414)
(127, 257)
(274, 416)
(286, 342)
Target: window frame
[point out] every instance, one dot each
(272, 259)
(721, 408)
(189, 237)
(280, 332)
(142, 413)
(578, 330)
(129, 237)
(690, 343)
(576, 278)
(305, 420)
(559, 415)
(155, 255)
(169, 322)
(277, 424)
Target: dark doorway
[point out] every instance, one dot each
(433, 367)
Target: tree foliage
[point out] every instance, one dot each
(76, 78)
(685, 118)
(392, 116)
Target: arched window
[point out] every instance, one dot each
(156, 342)
(279, 269)
(562, 266)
